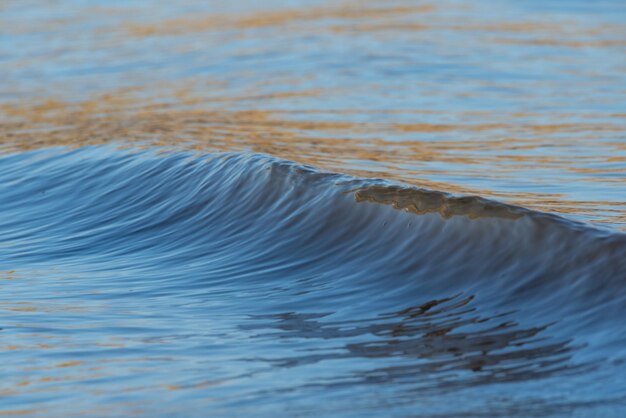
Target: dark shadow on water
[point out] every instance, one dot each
(440, 345)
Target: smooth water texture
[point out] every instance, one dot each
(290, 208)
(182, 283)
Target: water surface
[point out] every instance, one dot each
(297, 208)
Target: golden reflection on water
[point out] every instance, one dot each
(494, 146)
(282, 18)
(127, 75)
(133, 74)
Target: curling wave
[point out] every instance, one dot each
(259, 283)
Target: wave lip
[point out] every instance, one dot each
(428, 201)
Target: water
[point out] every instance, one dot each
(312, 208)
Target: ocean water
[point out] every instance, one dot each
(290, 208)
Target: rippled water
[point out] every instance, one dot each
(295, 208)
(244, 284)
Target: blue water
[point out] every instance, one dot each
(289, 208)
(180, 283)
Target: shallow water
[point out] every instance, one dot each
(303, 208)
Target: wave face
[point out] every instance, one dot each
(176, 283)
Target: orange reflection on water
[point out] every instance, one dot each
(410, 152)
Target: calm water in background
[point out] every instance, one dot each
(172, 241)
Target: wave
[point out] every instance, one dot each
(423, 294)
